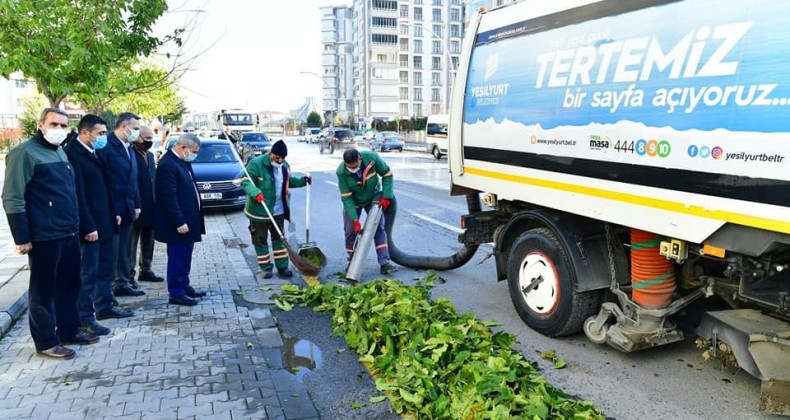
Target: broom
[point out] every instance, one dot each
(302, 265)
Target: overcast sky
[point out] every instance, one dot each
(261, 46)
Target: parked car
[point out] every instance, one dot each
(312, 134)
(217, 172)
(386, 141)
(253, 144)
(335, 139)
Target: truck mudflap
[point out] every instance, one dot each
(760, 345)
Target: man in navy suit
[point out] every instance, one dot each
(97, 226)
(143, 234)
(120, 173)
(179, 222)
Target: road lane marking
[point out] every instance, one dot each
(334, 184)
(436, 222)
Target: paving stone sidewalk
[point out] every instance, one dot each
(215, 360)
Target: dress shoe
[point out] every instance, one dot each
(94, 328)
(81, 338)
(183, 300)
(195, 293)
(267, 274)
(133, 284)
(285, 273)
(388, 268)
(114, 312)
(127, 291)
(58, 352)
(150, 277)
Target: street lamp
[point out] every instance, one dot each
(331, 111)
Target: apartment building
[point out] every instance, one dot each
(405, 56)
(12, 92)
(338, 62)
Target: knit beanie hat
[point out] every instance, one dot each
(280, 149)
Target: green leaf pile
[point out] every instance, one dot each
(433, 362)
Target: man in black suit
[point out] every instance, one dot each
(179, 222)
(120, 173)
(143, 233)
(97, 227)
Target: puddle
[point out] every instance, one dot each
(300, 356)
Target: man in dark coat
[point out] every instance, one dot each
(120, 173)
(143, 233)
(97, 227)
(40, 201)
(179, 223)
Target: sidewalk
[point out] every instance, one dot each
(14, 275)
(218, 359)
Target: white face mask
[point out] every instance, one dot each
(55, 136)
(276, 165)
(353, 171)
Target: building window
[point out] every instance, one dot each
(455, 15)
(455, 63)
(455, 2)
(418, 110)
(417, 62)
(404, 45)
(436, 63)
(435, 95)
(436, 79)
(436, 109)
(417, 46)
(404, 11)
(418, 13)
(417, 1)
(404, 60)
(385, 4)
(19, 102)
(455, 31)
(404, 29)
(417, 30)
(384, 22)
(417, 78)
(404, 110)
(437, 15)
(384, 39)
(404, 93)
(404, 76)
(436, 47)
(437, 30)
(21, 83)
(455, 47)
(381, 58)
(417, 94)
(437, 2)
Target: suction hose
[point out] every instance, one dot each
(423, 262)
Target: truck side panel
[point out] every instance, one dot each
(646, 114)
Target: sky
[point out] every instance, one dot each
(252, 52)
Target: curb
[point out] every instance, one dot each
(13, 300)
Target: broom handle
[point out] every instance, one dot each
(307, 214)
(263, 203)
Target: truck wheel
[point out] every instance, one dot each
(436, 153)
(321, 148)
(552, 307)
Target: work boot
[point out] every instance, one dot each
(388, 268)
(267, 274)
(285, 273)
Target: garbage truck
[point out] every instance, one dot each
(634, 159)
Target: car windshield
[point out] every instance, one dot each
(315, 131)
(237, 119)
(254, 137)
(215, 153)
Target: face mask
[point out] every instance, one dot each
(147, 144)
(55, 136)
(100, 142)
(276, 165)
(133, 135)
(353, 171)
(191, 156)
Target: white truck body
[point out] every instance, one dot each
(660, 116)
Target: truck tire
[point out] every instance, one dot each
(436, 153)
(552, 308)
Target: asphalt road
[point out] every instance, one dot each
(668, 382)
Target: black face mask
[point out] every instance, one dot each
(147, 144)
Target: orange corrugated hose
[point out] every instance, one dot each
(652, 275)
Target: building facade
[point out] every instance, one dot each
(12, 93)
(337, 62)
(405, 56)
